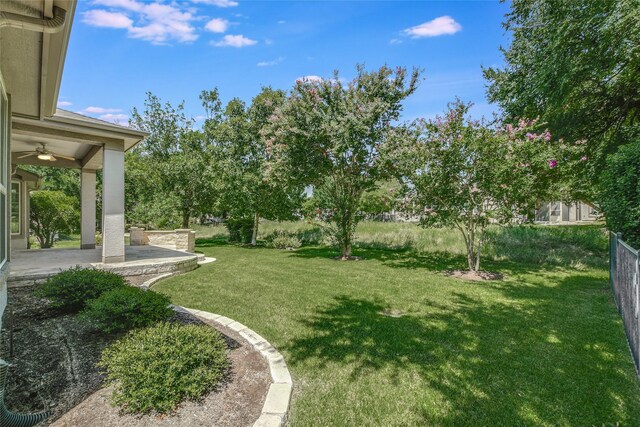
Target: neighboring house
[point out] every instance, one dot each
(563, 213)
(34, 35)
(22, 182)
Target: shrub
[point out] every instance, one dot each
(619, 195)
(284, 240)
(156, 368)
(126, 308)
(72, 289)
(240, 230)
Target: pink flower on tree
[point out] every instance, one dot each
(583, 158)
(530, 136)
(547, 136)
(553, 163)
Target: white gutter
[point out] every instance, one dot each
(29, 23)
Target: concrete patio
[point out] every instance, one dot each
(35, 265)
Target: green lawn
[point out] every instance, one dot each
(543, 347)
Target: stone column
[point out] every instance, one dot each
(185, 240)
(113, 205)
(88, 209)
(136, 236)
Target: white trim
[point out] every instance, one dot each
(20, 202)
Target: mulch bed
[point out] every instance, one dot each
(54, 367)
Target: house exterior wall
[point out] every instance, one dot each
(5, 202)
(562, 213)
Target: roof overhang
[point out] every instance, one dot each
(32, 61)
(71, 135)
(26, 176)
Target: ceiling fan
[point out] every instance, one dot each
(43, 154)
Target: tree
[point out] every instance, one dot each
(576, 65)
(462, 173)
(169, 175)
(328, 134)
(619, 195)
(249, 191)
(52, 212)
(381, 200)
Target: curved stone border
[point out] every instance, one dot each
(276, 405)
(149, 283)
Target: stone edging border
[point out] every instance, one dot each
(276, 405)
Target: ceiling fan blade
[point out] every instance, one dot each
(63, 157)
(26, 154)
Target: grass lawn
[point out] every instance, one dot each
(545, 346)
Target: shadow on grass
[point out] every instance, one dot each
(392, 258)
(531, 361)
(430, 261)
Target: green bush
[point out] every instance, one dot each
(126, 308)
(52, 213)
(619, 195)
(240, 230)
(156, 368)
(72, 289)
(283, 240)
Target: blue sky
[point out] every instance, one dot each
(120, 49)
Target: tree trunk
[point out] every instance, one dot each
(254, 235)
(185, 219)
(477, 267)
(346, 249)
(471, 250)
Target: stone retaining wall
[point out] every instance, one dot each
(180, 239)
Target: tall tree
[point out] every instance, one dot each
(463, 173)
(249, 191)
(169, 176)
(328, 134)
(576, 65)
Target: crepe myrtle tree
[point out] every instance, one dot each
(467, 174)
(328, 134)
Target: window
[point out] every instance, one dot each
(4, 175)
(555, 209)
(16, 201)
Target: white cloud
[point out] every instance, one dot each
(132, 5)
(102, 18)
(121, 119)
(62, 104)
(234, 41)
(311, 78)
(100, 110)
(217, 25)
(219, 3)
(270, 63)
(442, 25)
(155, 22)
(395, 41)
(282, 21)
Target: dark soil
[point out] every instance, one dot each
(54, 356)
(54, 368)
